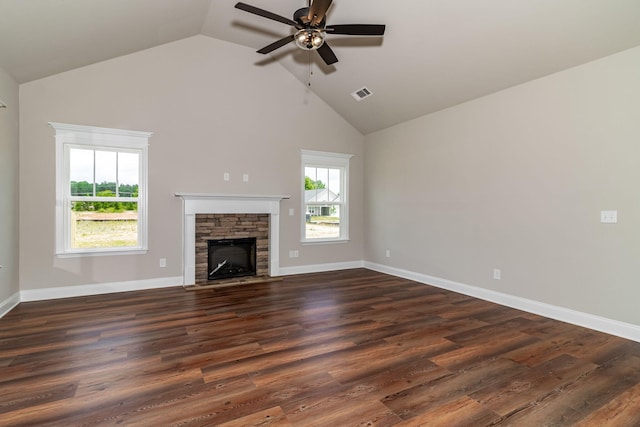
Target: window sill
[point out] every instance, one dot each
(102, 253)
(323, 241)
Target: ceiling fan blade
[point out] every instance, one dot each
(265, 14)
(327, 55)
(356, 29)
(277, 44)
(317, 11)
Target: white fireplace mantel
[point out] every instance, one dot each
(214, 203)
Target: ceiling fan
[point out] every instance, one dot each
(310, 23)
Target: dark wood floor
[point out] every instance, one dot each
(351, 348)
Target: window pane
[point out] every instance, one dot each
(323, 183)
(334, 184)
(322, 221)
(128, 175)
(106, 167)
(81, 172)
(93, 227)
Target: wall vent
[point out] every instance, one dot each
(361, 94)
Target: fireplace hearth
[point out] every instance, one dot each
(229, 258)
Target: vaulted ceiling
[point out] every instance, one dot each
(435, 53)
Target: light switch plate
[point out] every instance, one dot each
(609, 217)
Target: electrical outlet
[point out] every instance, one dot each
(294, 254)
(497, 273)
(387, 253)
(163, 262)
(226, 176)
(291, 211)
(245, 177)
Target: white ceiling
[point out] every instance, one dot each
(435, 53)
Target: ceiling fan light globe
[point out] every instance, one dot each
(309, 39)
(317, 40)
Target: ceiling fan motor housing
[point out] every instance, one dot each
(300, 16)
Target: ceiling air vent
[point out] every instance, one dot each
(361, 94)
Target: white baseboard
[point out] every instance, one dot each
(602, 324)
(98, 288)
(8, 304)
(598, 323)
(320, 268)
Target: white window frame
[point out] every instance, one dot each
(69, 136)
(324, 159)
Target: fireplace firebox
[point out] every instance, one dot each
(229, 258)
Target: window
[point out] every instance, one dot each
(101, 190)
(325, 202)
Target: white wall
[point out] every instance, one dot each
(212, 110)
(516, 181)
(9, 285)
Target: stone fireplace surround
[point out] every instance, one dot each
(231, 226)
(206, 203)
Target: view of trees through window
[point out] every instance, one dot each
(104, 189)
(310, 184)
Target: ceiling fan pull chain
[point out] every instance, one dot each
(310, 71)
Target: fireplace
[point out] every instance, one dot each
(235, 233)
(226, 208)
(229, 258)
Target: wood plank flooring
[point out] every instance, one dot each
(349, 348)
